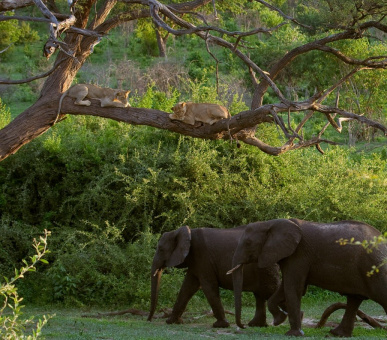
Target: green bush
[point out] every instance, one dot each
(12, 326)
(107, 190)
(5, 116)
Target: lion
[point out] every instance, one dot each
(107, 97)
(207, 113)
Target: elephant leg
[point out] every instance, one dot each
(259, 319)
(294, 287)
(211, 291)
(276, 305)
(345, 328)
(189, 287)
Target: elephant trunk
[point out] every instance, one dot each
(237, 278)
(155, 286)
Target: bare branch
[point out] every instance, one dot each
(8, 5)
(369, 62)
(339, 83)
(345, 114)
(103, 12)
(280, 123)
(304, 120)
(216, 61)
(22, 18)
(28, 80)
(339, 305)
(3, 50)
(283, 14)
(45, 11)
(156, 6)
(276, 151)
(314, 45)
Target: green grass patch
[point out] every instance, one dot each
(69, 324)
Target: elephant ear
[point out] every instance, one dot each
(182, 244)
(282, 240)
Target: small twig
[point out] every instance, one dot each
(216, 61)
(304, 120)
(215, 12)
(2, 51)
(280, 123)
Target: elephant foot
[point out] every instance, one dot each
(257, 323)
(221, 324)
(340, 332)
(172, 320)
(279, 318)
(295, 332)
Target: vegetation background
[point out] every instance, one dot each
(107, 190)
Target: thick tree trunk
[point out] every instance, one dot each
(27, 126)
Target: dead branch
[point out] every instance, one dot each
(211, 313)
(132, 311)
(339, 305)
(353, 116)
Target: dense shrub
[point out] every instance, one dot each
(107, 191)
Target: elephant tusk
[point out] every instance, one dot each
(157, 270)
(233, 269)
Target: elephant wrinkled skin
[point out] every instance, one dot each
(309, 253)
(207, 253)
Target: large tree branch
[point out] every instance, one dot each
(8, 5)
(319, 44)
(102, 14)
(369, 62)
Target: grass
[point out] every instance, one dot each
(69, 324)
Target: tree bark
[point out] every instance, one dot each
(161, 43)
(8, 5)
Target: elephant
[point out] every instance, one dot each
(311, 253)
(207, 253)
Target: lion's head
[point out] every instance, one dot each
(122, 96)
(179, 110)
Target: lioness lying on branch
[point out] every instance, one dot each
(207, 113)
(107, 97)
(190, 113)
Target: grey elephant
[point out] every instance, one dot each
(207, 253)
(309, 253)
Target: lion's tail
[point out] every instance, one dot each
(60, 106)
